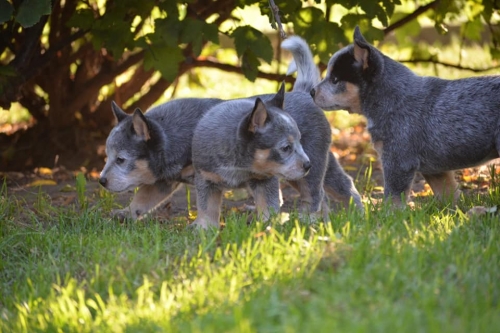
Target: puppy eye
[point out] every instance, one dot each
(335, 80)
(120, 160)
(286, 149)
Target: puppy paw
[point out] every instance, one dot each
(126, 213)
(202, 224)
(121, 214)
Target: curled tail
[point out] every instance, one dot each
(303, 62)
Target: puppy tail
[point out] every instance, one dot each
(303, 62)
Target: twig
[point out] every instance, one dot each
(236, 69)
(436, 62)
(409, 17)
(276, 14)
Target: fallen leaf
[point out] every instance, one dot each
(69, 200)
(68, 188)
(481, 210)
(192, 214)
(42, 182)
(45, 172)
(236, 194)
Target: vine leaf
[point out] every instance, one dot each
(30, 12)
(250, 45)
(6, 11)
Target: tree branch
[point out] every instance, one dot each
(236, 69)
(276, 14)
(410, 17)
(437, 62)
(101, 79)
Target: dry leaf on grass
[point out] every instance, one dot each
(481, 210)
(42, 182)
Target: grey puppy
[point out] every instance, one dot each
(246, 142)
(152, 151)
(417, 123)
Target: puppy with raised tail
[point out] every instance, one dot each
(337, 184)
(417, 123)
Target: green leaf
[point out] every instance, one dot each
(165, 59)
(327, 37)
(351, 20)
(8, 70)
(495, 53)
(404, 33)
(196, 31)
(105, 32)
(472, 29)
(167, 31)
(374, 9)
(247, 38)
(250, 65)
(83, 19)
(6, 11)
(487, 11)
(30, 12)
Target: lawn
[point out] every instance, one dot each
(429, 268)
(432, 268)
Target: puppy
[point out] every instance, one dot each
(337, 184)
(417, 123)
(152, 151)
(250, 143)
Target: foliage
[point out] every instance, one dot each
(432, 269)
(85, 45)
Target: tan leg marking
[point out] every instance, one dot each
(211, 216)
(146, 200)
(261, 205)
(344, 199)
(187, 172)
(305, 195)
(211, 176)
(379, 147)
(444, 185)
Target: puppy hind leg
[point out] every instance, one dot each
(312, 199)
(340, 186)
(444, 185)
(208, 203)
(147, 199)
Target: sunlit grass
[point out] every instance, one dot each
(430, 269)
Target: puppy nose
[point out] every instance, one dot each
(312, 92)
(307, 166)
(103, 181)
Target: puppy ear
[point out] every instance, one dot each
(258, 116)
(361, 48)
(119, 113)
(279, 99)
(140, 125)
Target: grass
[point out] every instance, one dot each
(431, 269)
(428, 269)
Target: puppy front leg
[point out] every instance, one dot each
(266, 193)
(147, 199)
(444, 185)
(208, 202)
(397, 181)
